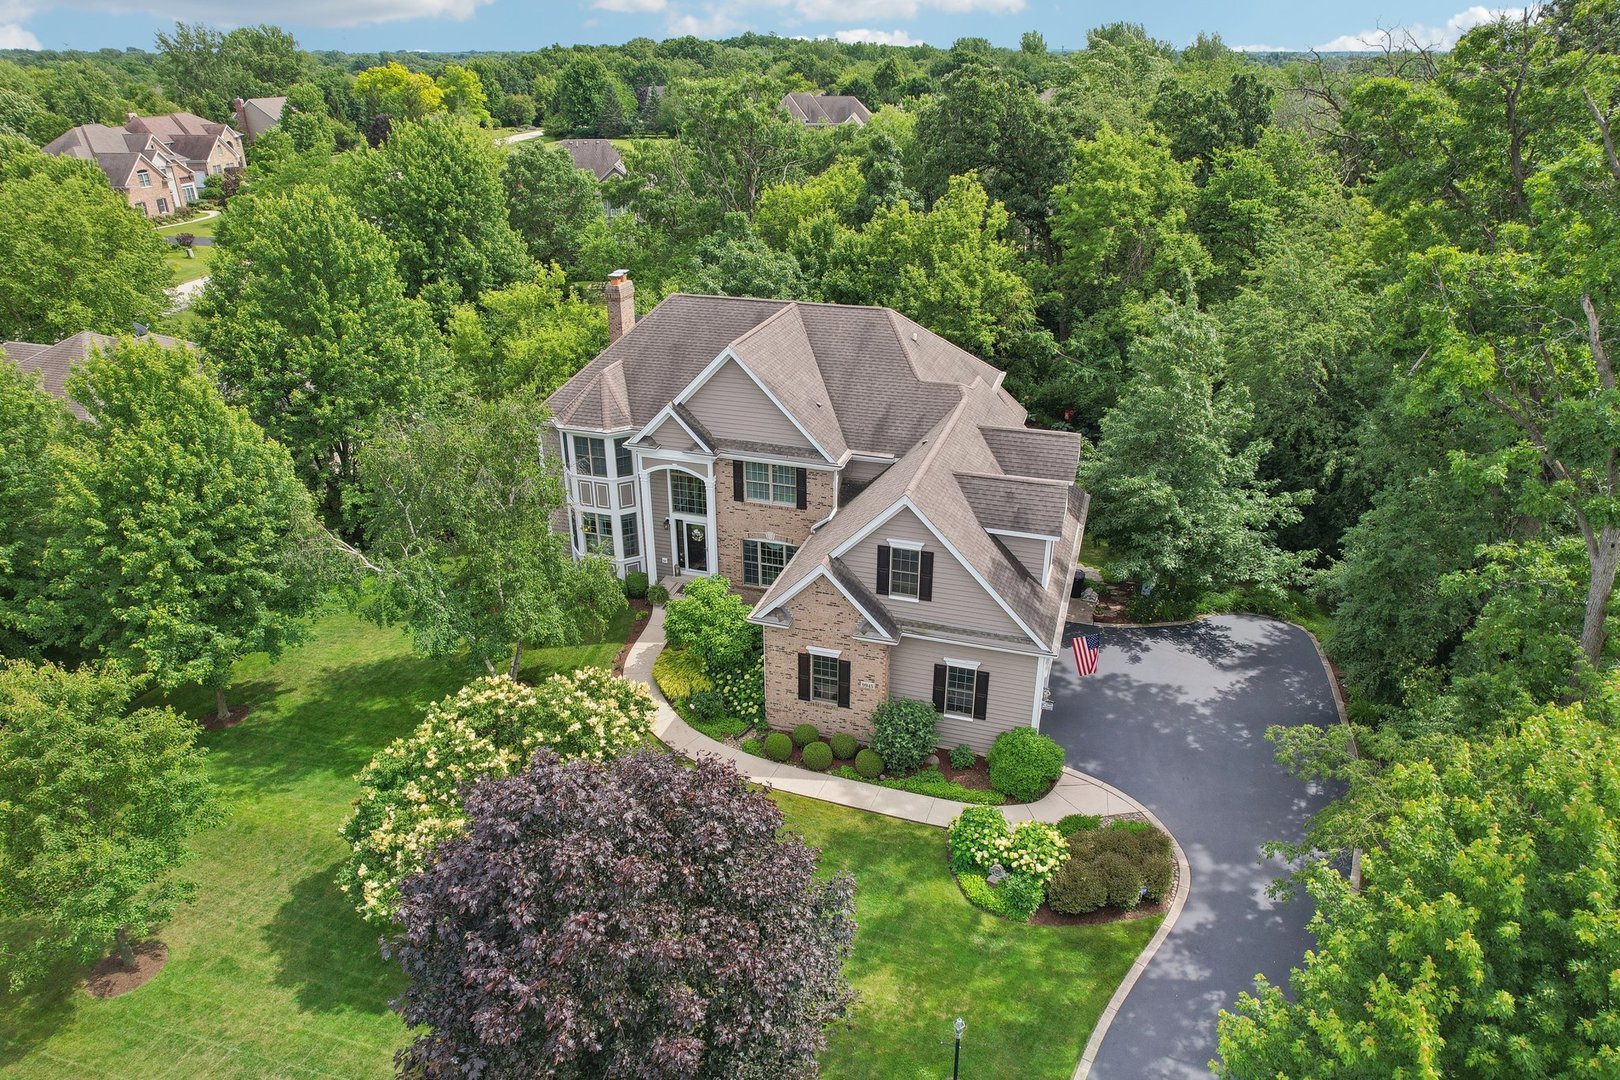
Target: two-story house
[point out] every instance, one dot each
(159, 163)
(868, 486)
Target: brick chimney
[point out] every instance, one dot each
(621, 304)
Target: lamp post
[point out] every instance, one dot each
(956, 1065)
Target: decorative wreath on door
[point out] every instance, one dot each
(696, 533)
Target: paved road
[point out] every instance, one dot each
(1176, 717)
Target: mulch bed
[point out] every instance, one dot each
(643, 609)
(975, 776)
(110, 977)
(1111, 601)
(237, 714)
(1045, 916)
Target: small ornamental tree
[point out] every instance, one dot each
(711, 623)
(638, 919)
(410, 793)
(96, 803)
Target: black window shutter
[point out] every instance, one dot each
(939, 688)
(737, 481)
(981, 694)
(750, 562)
(925, 577)
(843, 684)
(804, 488)
(804, 676)
(883, 570)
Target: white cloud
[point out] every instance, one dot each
(714, 22)
(1262, 48)
(1420, 34)
(630, 6)
(305, 12)
(13, 36)
(863, 36)
(896, 10)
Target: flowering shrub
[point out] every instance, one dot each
(744, 691)
(978, 837)
(410, 793)
(1035, 849)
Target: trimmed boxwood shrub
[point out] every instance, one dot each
(1070, 824)
(1076, 889)
(843, 746)
(818, 756)
(904, 731)
(1121, 878)
(1111, 867)
(635, 585)
(962, 757)
(1024, 763)
(869, 764)
(778, 747)
(804, 735)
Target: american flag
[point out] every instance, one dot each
(1086, 648)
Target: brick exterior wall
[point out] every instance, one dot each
(736, 521)
(823, 618)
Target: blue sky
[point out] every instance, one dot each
(366, 25)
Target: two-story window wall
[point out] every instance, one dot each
(603, 498)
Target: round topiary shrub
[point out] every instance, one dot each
(1158, 872)
(818, 756)
(843, 746)
(963, 757)
(635, 585)
(1024, 763)
(904, 731)
(1070, 824)
(657, 595)
(778, 747)
(1121, 878)
(804, 735)
(1076, 889)
(869, 764)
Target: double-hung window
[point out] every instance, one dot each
(598, 533)
(143, 177)
(764, 560)
(961, 684)
(905, 572)
(622, 459)
(763, 482)
(590, 456)
(824, 678)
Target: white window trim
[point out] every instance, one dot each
(770, 483)
(965, 665)
(816, 650)
(952, 662)
(906, 545)
(769, 540)
(824, 654)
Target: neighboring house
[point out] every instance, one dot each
(255, 116)
(158, 163)
(599, 157)
(55, 362)
(869, 487)
(826, 110)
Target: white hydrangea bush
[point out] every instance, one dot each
(410, 793)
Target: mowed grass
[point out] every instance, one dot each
(182, 269)
(270, 973)
(924, 956)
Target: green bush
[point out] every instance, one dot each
(1036, 849)
(978, 839)
(1111, 867)
(1158, 872)
(778, 747)
(744, 691)
(680, 675)
(930, 782)
(1121, 878)
(707, 707)
(635, 585)
(1070, 824)
(710, 621)
(1015, 898)
(1024, 763)
(752, 746)
(657, 595)
(805, 734)
(905, 731)
(843, 746)
(818, 756)
(963, 757)
(869, 764)
(1076, 889)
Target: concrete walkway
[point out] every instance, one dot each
(1075, 793)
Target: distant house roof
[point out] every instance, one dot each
(55, 362)
(169, 125)
(116, 150)
(821, 110)
(258, 115)
(599, 157)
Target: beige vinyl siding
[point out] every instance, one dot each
(1032, 553)
(1013, 688)
(671, 436)
(958, 601)
(663, 557)
(732, 406)
(864, 472)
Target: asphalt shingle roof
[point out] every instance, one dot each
(55, 362)
(599, 157)
(820, 109)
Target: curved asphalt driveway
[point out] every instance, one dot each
(1176, 717)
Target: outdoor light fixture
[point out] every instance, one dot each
(956, 1065)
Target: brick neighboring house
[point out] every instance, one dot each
(53, 363)
(826, 110)
(869, 487)
(158, 163)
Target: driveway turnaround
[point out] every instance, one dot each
(1177, 716)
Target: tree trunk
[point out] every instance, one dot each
(126, 952)
(517, 658)
(1604, 553)
(222, 711)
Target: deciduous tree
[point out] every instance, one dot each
(550, 203)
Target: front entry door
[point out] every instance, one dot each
(693, 540)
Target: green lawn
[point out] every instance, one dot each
(924, 956)
(271, 973)
(196, 227)
(184, 269)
